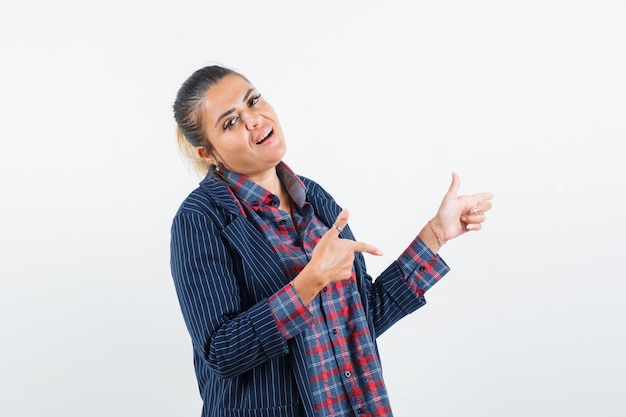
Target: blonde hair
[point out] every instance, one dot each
(190, 154)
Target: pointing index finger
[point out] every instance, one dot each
(367, 248)
(484, 196)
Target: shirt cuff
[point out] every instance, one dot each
(421, 267)
(290, 313)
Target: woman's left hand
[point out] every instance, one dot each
(459, 214)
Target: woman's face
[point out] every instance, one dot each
(243, 128)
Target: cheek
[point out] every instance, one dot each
(231, 144)
(267, 110)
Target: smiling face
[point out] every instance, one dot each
(243, 129)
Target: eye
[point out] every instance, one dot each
(254, 100)
(230, 123)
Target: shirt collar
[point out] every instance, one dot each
(253, 194)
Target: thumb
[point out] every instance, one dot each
(455, 185)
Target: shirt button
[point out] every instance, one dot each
(325, 289)
(422, 268)
(334, 331)
(283, 222)
(348, 374)
(361, 410)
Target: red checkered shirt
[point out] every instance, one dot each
(343, 365)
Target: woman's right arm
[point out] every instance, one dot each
(230, 337)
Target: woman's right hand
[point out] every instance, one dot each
(331, 261)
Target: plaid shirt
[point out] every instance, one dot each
(344, 369)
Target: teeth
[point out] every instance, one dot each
(264, 137)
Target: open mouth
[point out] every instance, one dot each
(266, 136)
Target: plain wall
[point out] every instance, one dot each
(380, 102)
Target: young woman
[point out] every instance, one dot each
(272, 285)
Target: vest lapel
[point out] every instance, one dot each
(262, 271)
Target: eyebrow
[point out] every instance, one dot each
(245, 97)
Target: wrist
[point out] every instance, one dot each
(307, 284)
(437, 231)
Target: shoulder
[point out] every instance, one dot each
(212, 198)
(198, 201)
(313, 188)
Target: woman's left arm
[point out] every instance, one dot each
(400, 289)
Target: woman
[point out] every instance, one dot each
(272, 285)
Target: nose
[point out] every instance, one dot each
(251, 119)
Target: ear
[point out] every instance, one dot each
(203, 153)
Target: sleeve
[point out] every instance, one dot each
(421, 268)
(231, 338)
(400, 289)
(291, 314)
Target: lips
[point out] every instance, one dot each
(265, 137)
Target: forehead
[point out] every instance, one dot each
(229, 91)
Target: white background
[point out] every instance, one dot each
(380, 102)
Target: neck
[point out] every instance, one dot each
(268, 180)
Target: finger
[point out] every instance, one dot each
(473, 226)
(483, 196)
(473, 220)
(455, 185)
(479, 208)
(341, 222)
(367, 248)
(484, 206)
